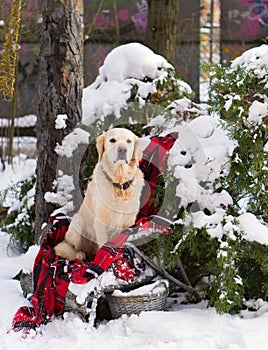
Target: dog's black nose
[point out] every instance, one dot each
(122, 152)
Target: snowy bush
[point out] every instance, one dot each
(221, 164)
(17, 190)
(19, 220)
(134, 84)
(198, 164)
(131, 73)
(240, 94)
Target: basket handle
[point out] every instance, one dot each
(159, 284)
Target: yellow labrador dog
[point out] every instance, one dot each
(112, 198)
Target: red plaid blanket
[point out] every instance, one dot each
(53, 274)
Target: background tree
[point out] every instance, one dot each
(162, 27)
(60, 92)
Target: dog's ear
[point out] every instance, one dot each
(100, 145)
(137, 154)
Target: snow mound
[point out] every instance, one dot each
(71, 142)
(256, 57)
(203, 126)
(257, 111)
(253, 229)
(132, 60)
(125, 67)
(29, 259)
(22, 169)
(199, 157)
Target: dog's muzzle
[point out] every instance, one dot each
(122, 153)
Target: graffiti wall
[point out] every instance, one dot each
(107, 23)
(244, 24)
(110, 22)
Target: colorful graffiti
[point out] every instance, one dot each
(111, 22)
(128, 19)
(259, 12)
(107, 17)
(244, 24)
(140, 18)
(108, 23)
(247, 19)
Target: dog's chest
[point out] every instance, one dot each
(118, 206)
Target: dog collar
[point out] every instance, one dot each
(124, 186)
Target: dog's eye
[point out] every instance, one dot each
(128, 141)
(113, 140)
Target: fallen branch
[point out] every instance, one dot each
(163, 272)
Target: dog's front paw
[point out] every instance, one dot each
(81, 255)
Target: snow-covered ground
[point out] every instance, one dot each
(183, 327)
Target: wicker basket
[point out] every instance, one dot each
(133, 303)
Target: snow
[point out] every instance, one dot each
(212, 222)
(124, 67)
(72, 141)
(125, 62)
(156, 288)
(203, 126)
(60, 122)
(63, 197)
(253, 229)
(257, 56)
(229, 100)
(29, 258)
(21, 145)
(198, 158)
(181, 327)
(21, 169)
(23, 122)
(257, 111)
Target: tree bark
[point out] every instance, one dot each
(60, 92)
(162, 27)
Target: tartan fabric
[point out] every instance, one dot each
(53, 274)
(50, 281)
(152, 165)
(49, 274)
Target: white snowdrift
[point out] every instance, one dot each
(183, 327)
(124, 67)
(253, 229)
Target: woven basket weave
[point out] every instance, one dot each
(134, 304)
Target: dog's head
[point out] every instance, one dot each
(119, 146)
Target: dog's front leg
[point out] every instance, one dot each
(101, 232)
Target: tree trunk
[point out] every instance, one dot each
(162, 27)
(60, 92)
